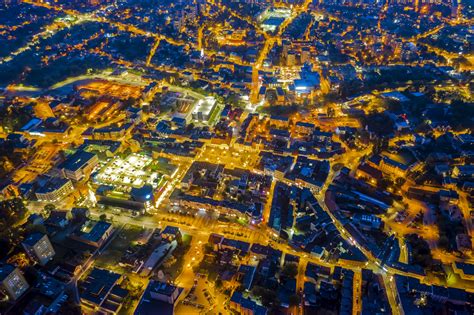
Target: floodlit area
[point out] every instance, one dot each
(272, 18)
(132, 171)
(230, 157)
(204, 109)
(113, 89)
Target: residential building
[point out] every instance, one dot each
(94, 233)
(12, 281)
(79, 165)
(159, 296)
(245, 305)
(101, 292)
(39, 248)
(55, 190)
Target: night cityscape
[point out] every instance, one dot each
(254, 157)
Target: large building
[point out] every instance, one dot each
(158, 296)
(79, 165)
(39, 248)
(164, 292)
(464, 270)
(204, 109)
(246, 305)
(55, 190)
(12, 282)
(101, 292)
(93, 233)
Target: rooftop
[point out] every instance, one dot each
(76, 161)
(52, 185)
(93, 231)
(33, 238)
(5, 271)
(149, 305)
(98, 285)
